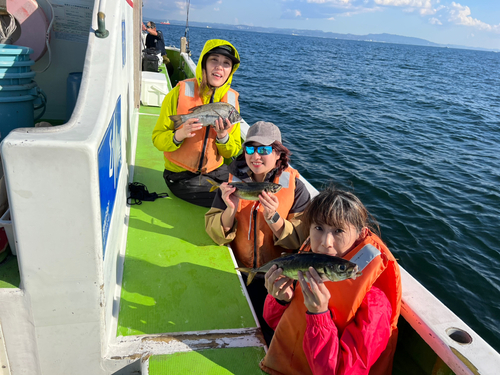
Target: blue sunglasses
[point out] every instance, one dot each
(261, 150)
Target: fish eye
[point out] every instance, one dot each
(342, 267)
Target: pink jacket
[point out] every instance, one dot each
(360, 345)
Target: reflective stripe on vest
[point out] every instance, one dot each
(365, 256)
(231, 98)
(189, 89)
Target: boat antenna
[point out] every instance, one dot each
(186, 31)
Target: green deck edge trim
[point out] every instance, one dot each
(9, 272)
(175, 279)
(238, 361)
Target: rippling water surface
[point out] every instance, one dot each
(413, 131)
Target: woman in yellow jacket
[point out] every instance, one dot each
(193, 152)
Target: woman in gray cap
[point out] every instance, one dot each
(259, 231)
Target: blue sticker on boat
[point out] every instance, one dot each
(109, 161)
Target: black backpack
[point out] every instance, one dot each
(150, 60)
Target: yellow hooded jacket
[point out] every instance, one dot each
(163, 133)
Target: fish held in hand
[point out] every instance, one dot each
(328, 267)
(208, 113)
(249, 191)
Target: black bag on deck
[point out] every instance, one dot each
(150, 60)
(139, 192)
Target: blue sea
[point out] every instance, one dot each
(413, 131)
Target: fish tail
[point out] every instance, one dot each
(251, 275)
(177, 120)
(250, 271)
(215, 185)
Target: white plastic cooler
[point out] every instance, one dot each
(154, 87)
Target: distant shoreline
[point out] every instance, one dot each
(380, 38)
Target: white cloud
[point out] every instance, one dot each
(338, 2)
(435, 21)
(216, 9)
(297, 13)
(180, 4)
(461, 15)
(406, 3)
(424, 7)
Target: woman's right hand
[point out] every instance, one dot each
(230, 199)
(278, 285)
(187, 129)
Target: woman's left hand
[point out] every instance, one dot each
(221, 126)
(316, 294)
(270, 203)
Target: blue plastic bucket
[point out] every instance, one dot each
(17, 88)
(72, 88)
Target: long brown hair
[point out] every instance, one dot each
(283, 161)
(204, 89)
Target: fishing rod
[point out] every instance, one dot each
(186, 31)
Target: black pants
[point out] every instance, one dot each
(194, 187)
(258, 293)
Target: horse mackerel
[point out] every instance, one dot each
(249, 190)
(329, 268)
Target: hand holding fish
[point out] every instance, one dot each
(230, 199)
(278, 285)
(187, 129)
(316, 294)
(270, 204)
(221, 126)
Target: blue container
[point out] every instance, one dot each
(72, 88)
(17, 89)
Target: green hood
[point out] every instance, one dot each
(209, 45)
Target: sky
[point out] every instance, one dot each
(472, 23)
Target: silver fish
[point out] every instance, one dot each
(329, 268)
(249, 190)
(208, 113)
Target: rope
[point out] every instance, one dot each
(7, 28)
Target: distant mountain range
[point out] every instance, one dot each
(381, 38)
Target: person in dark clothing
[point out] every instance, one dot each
(155, 39)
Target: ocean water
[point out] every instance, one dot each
(413, 131)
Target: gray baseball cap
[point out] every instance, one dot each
(265, 133)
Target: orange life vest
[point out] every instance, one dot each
(198, 154)
(253, 245)
(286, 354)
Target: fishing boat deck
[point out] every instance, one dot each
(175, 279)
(9, 273)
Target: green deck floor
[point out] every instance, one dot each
(175, 278)
(238, 361)
(9, 272)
